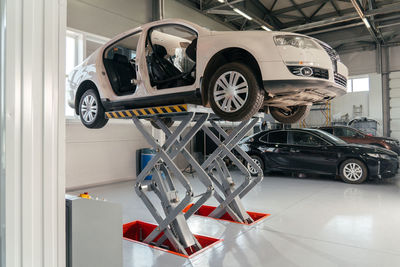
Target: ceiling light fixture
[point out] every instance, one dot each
(242, 14)
(221, 1)
(265, 28)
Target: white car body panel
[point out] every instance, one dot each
(272, 61)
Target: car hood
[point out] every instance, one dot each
(369, 149)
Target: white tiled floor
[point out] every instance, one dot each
(313, 222)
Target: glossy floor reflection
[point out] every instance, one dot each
(313, 222)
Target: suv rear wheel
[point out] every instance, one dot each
(291, 114)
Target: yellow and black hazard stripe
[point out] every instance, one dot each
(129, 113)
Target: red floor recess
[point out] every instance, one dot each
(206, 210)
(137, 231)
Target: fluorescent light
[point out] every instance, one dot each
(242, 13)
(366, 23)
(265, 28)
(221, 1)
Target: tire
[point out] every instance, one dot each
(296, 113)
(234, 103)
(167, 121)
(91, 110)
(359, 175)
(258, 161)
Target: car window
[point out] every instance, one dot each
(264, 138)
(279, 137)
(345, 132)
(305, 139)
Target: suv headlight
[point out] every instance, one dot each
(295, 41)
(392, 142)
(378, 155)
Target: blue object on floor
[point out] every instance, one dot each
(146, 154)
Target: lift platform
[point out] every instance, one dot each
(172, 218)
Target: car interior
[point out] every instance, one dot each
(171, 56)
(119, 62)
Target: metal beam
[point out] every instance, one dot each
(333, 3)
(317, 10)
(366, 21)
(297, 6)
(344, 18)
(214, 17)
(222, 12)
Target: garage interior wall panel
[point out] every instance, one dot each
(108, 18)
(394, 94)
(102, 156)
(361, 62)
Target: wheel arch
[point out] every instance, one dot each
(227, 55)
(83, 87)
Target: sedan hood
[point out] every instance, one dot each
(370, 149)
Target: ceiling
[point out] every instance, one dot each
(344, 24)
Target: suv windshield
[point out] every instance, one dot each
(330, 137)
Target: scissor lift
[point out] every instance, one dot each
(212, 173)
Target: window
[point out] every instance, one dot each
(171, 56)
(79, 45)
(345, 132)
(305, 139)
(264, 138)
(358, 84)
(279, 137)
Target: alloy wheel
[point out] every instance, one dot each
(231, 91)
(89, 108)
(251, 169)
(352, 171)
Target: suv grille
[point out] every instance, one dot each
(340, 79)
(331, 52)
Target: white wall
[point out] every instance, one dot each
(101, 156)
(107, 17)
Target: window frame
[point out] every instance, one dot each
(350, 81)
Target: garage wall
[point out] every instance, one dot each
(394, 93)
(107, 17)
(95, 157)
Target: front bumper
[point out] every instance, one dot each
(383, 168)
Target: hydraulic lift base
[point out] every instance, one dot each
(137, 231)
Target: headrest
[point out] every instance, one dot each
(160, 50)
(120, 58)
(191, 50)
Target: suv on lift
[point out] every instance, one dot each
(352, 135)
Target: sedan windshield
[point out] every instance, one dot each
(329, 137)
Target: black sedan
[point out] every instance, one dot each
(316, 151)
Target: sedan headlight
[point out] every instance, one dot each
(378, 155)
(295, 41)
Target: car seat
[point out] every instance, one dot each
(120, 74)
